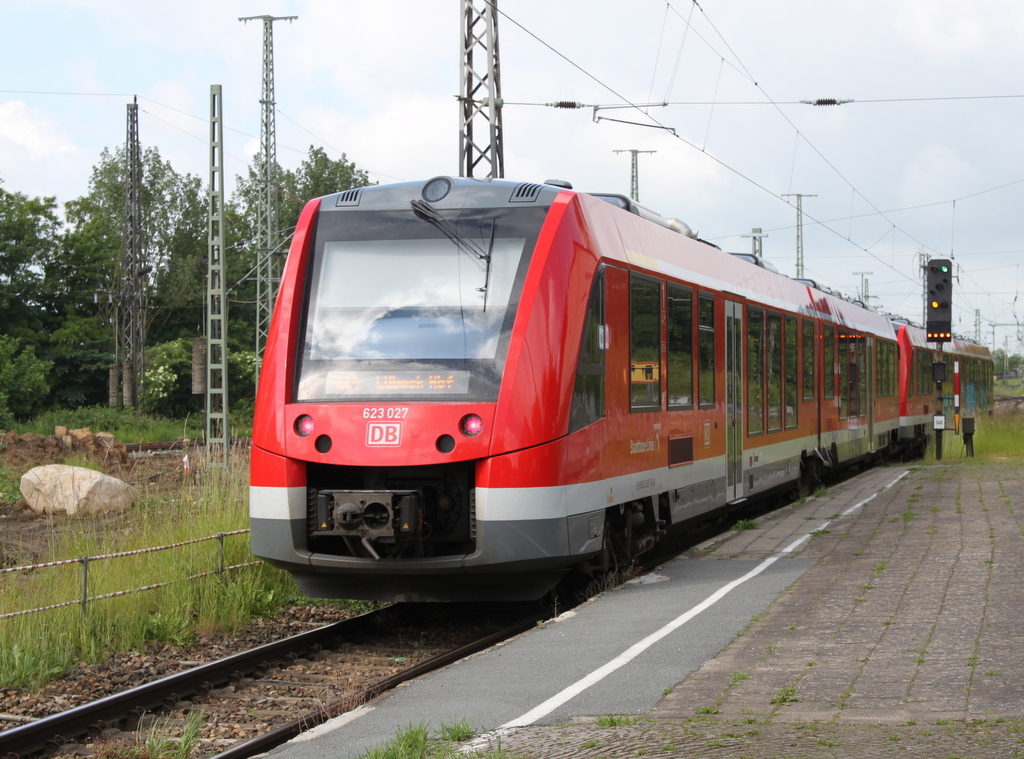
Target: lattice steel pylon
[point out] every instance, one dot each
(132, 332)
(634, 172)
(800, 230)
(266, 216)
(480, 141)
(218, 426)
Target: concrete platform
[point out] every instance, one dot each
(882, 618)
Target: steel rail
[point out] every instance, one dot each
(55, 730)
(308, 721)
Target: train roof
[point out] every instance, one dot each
(918, 338)
(621, 235)
(621, 230)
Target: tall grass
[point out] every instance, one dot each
(37, 647)
(996, 438)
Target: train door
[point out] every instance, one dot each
(733, 400)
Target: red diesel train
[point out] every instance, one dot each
(471, 387)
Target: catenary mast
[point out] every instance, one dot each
(218, 432)
(133, 329)
(267, 275)
(480, 140)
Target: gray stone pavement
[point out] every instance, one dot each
(906, 639)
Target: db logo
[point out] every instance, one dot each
(384, 433)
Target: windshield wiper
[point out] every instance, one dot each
(427, 212)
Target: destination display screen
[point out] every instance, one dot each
(399, 383)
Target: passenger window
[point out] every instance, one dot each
(829, 360)
(755, 371)
(789, 325)
(644, 344)
(773, 346)
(588, 392)
(680, 347)
(706, 349)
(808, 359)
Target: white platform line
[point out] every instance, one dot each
(544, 709)
(632, 652)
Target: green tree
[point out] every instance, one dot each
(316, 176)
(23, 380)
(29, 238)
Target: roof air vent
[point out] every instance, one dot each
(525, 193)
(349, 197)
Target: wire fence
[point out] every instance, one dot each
(85, 599)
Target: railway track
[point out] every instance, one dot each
(260, 698)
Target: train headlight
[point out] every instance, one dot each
(471, 425)
(304, 425)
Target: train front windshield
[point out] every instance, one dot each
(402, 307)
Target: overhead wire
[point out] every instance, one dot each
(739, 66)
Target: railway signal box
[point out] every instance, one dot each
(939, 323)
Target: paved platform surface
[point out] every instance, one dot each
(905, 639)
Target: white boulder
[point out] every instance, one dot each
(58, 489)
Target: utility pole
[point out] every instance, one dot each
(266, 215)
(634, 176)
(218, 433)
(864, 285)
(133, 328)
(977, 326)
(480, 140)
(922, 262)
(800, 230)
(993, 325)
(756, 234)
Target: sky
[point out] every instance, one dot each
(926, 161)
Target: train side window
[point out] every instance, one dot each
(829, 360)
(924, 371)
(843, 359)
(644, 344)
(773, 340)
(680, 347)
(862, 376)
(808, 358)
(755, 371)
(588, 391)
(886, 379)
(706, 349)
(789, 329)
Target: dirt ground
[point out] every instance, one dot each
(26, 537)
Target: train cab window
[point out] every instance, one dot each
(644, 344)
(755, 371)
(588, 392)
(789, 329)
(773, 347)
(706, 349)
(807, 349)
(828, 362)
(680, 347)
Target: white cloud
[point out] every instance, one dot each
(32, 131)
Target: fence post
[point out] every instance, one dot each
(220, 558)
(85, 585)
